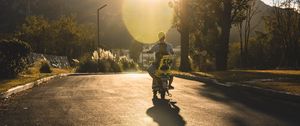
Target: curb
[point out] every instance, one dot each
(268, 92)
(203, 79)
(30, 85)
(102, 73)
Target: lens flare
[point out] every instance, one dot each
(144, 19)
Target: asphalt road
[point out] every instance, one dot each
(126, 100)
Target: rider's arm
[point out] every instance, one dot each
(170, 49)
(154, 49)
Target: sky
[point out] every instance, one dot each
(269, 2)
(147, 19)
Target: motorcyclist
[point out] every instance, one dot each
(160, 49)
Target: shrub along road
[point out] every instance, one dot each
(126, 99)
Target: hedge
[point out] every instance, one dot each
(13, 57)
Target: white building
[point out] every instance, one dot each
(120, 52)
(147, 58)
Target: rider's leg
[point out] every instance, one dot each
(170, 82)
(151, 71)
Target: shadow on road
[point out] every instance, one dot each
(247, 101)
(165, 113)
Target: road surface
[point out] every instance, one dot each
(126, 100)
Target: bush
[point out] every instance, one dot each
(45, 67)
(93, 66)
(127, 64)
(104, 62)
(87, 66)
(13, 55)
(115, 67)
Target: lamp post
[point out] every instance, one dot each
(98, 29)
(98, 33)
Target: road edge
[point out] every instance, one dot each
(268, 92)
(29, 85)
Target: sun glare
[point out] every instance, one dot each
(145, 18)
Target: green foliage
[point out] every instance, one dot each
(45, 67)
(13, 55)
(58, 37)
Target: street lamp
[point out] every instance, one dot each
(98, 33)
(98, 30)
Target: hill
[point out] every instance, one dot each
(115, 34)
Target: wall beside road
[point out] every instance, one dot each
(55, 61)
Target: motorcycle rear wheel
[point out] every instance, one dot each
(162, 95)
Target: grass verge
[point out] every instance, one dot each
(280, 80)
(30, 75)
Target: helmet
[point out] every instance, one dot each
(161, 35)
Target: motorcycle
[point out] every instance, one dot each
(164, 74)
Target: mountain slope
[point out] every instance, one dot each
(115, 34)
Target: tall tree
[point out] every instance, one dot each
(185, 37)
(35, 31)
(135, 50)
(182, 23)
(245, 28)
(59, 37)
(204, 33)
(286, 25)
(230, 14)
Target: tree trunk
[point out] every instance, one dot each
(241, 45)
(223, 43)
(185, 65)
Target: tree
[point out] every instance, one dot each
(286, 25)
(230, 12)
(135, 50)
(34, 31)
(182, 23)
(204, 33)
(245, 28)
(223, 12)
(58, 37)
